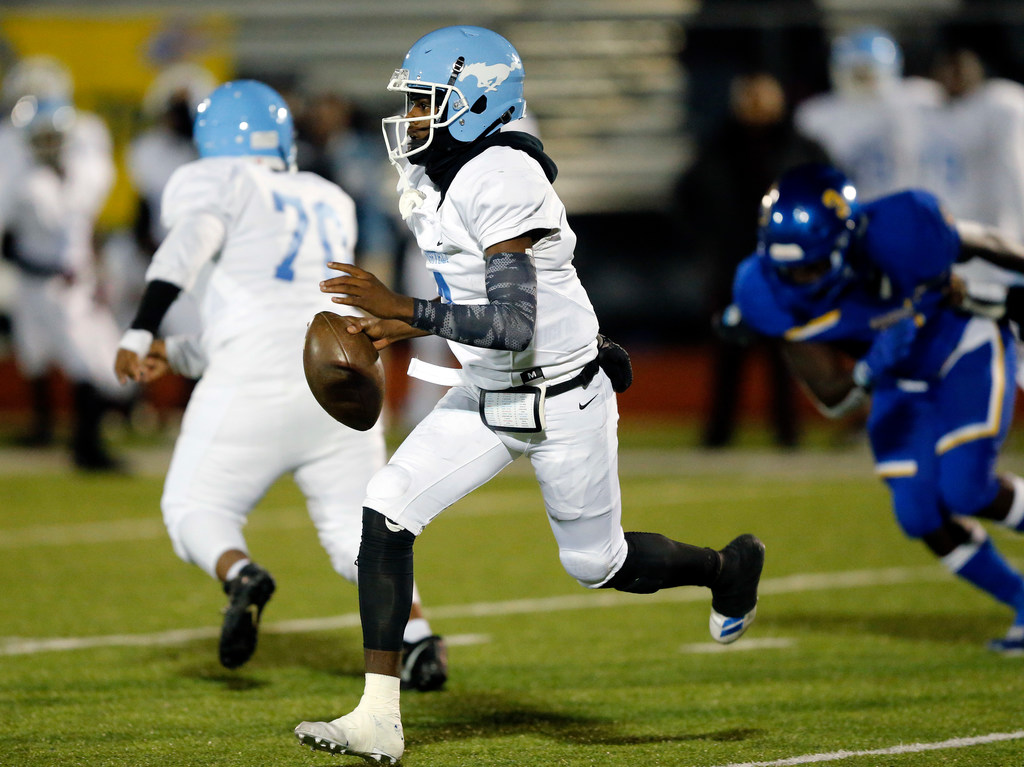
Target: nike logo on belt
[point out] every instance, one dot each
(584, 404)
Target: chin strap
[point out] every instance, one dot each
(411, 197)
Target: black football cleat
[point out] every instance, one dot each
(249, 592)
(424, 664)
(734, 594)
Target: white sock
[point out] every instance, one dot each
(416, 629)
(236, 568)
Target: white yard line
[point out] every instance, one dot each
(580, 601)
(907, 748)
(294, 518)
(705, 648)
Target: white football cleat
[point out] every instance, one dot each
(373, 736)
(725, 629)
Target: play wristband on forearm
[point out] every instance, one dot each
(156, 300)
(137, 341)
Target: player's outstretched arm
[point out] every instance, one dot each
(825, 374)
(989, 244)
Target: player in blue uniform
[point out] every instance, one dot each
(838, 282)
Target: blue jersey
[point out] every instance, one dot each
(902, 250)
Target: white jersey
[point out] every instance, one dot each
(52, 233)
(499, 195)
(262, 286)
(972, 155)
(873, 139)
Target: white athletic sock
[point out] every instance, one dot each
(416, 629)
(236, 568)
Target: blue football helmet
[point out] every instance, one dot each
(474, 78)
(807, 219)
(865, 60)
(245, 118)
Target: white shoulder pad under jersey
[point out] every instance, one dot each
(503, 193)
(873, 139)
(204, 186)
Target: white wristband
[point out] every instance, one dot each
(862, 375)
(138, 341)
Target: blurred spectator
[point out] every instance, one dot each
(726, 38)
(870, 122)
(716, 206)
(320, 122)
(336, 141)
(47, 211)
(972, 149)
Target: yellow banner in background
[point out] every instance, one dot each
(113, 60)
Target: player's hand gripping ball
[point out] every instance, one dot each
(343, 371)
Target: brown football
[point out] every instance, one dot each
(343, 371)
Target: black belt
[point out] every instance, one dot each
(581, 379)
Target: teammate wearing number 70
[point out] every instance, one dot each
(250, 238)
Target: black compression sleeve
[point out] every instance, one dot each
(385, 582)
(506, 322)
(155, 302)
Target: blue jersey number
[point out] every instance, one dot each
(327, 222)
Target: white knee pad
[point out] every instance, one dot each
(589, 568)
(200, 537)
(386, 489)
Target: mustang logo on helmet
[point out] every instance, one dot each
(490, 76)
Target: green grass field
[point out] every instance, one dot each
(863, 642)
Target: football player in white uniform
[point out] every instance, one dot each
(58, 171)
(534, 379)
(251, 238)
(972, 154)
(972, 159)
(870, 122)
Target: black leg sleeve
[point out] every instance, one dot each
(654, 562)
(385, 582)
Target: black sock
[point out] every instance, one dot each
(654, 562)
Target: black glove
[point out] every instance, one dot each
(730, 327)
(614, 361)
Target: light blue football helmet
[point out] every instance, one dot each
(865, 59)
(245, 118)
(807, 218)
(474, 78)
